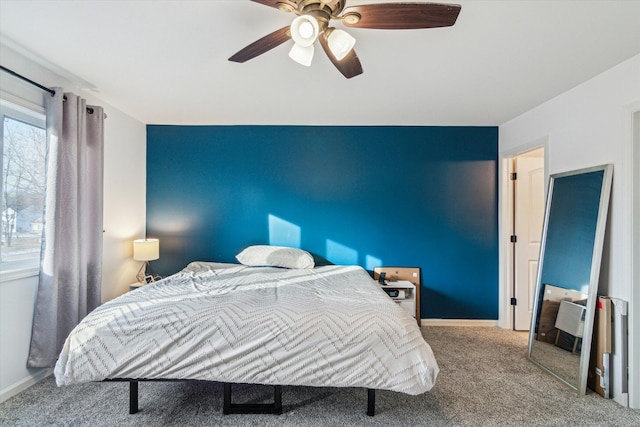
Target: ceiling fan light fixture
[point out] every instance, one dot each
(303, 55)
(305, 30)
(313, 19)
(340, 43)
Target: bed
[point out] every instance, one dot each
(234, 323)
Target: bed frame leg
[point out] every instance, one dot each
(133, 397)
(248, 408)
(277, 400)
(371, 402)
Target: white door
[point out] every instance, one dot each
(529, 215)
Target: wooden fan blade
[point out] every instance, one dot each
(349, 66)
(263, 45)
(274, 3)
(403, 16)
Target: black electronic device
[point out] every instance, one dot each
(383, 274)
(393, 293)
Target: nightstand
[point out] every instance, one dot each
(403, 275)
(403, 293)
(135, 285)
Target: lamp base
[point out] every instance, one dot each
(141, 273)
(147, 277)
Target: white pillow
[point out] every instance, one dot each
(275, 256)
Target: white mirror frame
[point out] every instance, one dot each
(601, 222)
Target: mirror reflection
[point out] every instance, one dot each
(560, 331)
(568, 272)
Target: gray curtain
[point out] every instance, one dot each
(71, 258)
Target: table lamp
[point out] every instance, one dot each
(146, 250)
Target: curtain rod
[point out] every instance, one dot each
(14, 74)
(38, 85)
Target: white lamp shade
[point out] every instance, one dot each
(302, 55)
(146, 249)
(305, 30)
(340, 43)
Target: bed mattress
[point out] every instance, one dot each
(326, 326)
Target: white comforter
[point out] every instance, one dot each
(327, 326)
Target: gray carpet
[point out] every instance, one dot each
(485, 380)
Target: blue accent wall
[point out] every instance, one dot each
(405, 196)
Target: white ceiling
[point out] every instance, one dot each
(165, 62)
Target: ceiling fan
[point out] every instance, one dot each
(313, 23)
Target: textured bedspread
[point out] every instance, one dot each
(327, 326)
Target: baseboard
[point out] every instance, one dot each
(622, 399)
(458, 322)
(15, 388)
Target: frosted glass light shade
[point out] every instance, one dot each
(146, 249)
(305, 30)
(340, 43)
(302, 55)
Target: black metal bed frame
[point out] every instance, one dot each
(237, 408)
(255, 408)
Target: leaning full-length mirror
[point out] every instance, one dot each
(568, 273)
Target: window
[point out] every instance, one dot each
(23, 150)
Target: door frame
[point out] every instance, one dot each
(631, 245)
(505, 224)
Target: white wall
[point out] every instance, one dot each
(587, 126)
(124, 218)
